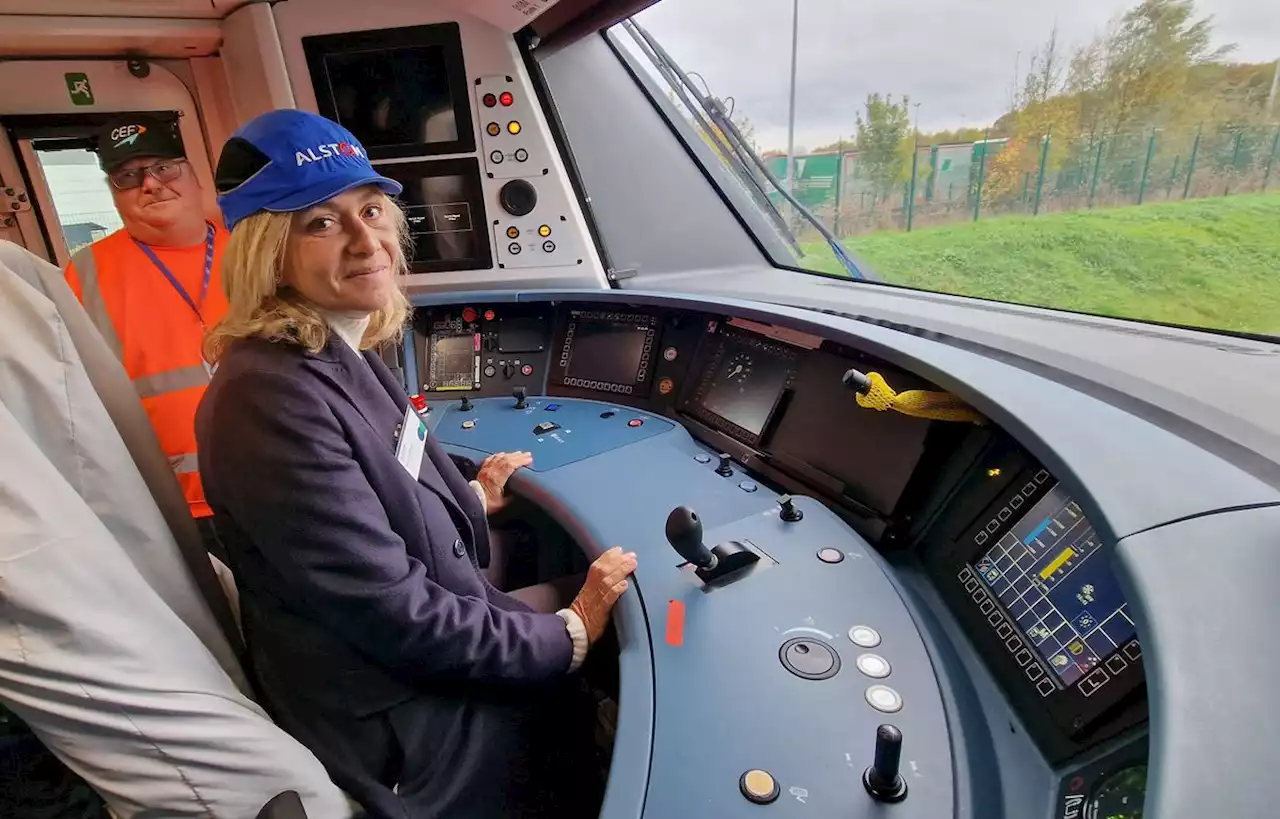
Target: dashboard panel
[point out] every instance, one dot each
(1012, 553)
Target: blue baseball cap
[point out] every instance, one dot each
(290, 160)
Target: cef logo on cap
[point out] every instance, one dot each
(127, 134)
(328, 151)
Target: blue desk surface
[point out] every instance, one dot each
(703, 703)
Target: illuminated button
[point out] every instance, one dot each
(513, 232)
(514, 248)
(522, 155)
(666, 385)
(670, 353)
(468, 314)
(488, 314)
(468, 424)
(496, 157)
(873, 665)
(830, 555)
(490, 100)
(526, 370)
(513, 127)
(884, 699)
(506, 98)
(549, 246)
(544, 231)
(864, 636)
(758, 786)
(635, 422)
(493, 128)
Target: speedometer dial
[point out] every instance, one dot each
(738, 369)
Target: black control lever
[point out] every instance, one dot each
(684, 533)
(726, 465)
(466, 404)
(882, 779)
(519, 394)
(789, 512)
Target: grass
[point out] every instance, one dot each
(1210, 262)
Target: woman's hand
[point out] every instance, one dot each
(606, 581)
(494, 473)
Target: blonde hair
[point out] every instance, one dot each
(260, 305)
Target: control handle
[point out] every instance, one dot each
(882, 779)
(684, 533)
(519, 393)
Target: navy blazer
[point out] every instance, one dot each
(360, 588)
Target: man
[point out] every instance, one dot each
(153, 287)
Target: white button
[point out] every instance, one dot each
(864, 636)
(873, 665)
(883, 698)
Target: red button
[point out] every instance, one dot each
(419, 403)
(468, 314)
(490, 100)
(488, 315)
(526, 369)
(506, 98)
(634, 422)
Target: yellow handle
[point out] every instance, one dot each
(939, 406)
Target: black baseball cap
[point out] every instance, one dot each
(128, 137)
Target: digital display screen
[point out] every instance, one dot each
(742, 383)
(608, 351)
(440, 218)
(521, 334)
(1052, 577)
(453, 362)
(393, 96)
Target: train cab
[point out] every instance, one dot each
(901, 554)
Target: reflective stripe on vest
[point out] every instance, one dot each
(182, 464)
(91, 297)
(149, 386)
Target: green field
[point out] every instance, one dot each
(1209, 262)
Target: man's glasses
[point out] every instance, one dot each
(166, 170)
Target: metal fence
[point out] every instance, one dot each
(953, 182)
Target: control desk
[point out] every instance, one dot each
(775, 648)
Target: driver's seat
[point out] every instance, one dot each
(117, 646)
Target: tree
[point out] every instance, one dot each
(882, 142)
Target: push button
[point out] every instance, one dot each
(458, 548)
(758, 786)
(545, 427)
(635, 422)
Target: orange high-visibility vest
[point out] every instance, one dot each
(156, 334)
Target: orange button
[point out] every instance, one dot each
(493, 128)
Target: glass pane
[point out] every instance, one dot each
(81, 195)
(1121, 160)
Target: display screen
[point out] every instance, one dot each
(393, 96)
(608, 351)
(1051, 575)
(453, 362)
(440, 219)
(743, 381)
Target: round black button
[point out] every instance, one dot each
(521, 155)
(518, 197)
(549, 246)
(496, 157)
(829, 555)
(458, 548)
(608, 414)
(809, 658)
(758, 786)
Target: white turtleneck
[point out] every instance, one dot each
(350, 325)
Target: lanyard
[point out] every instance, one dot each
(208, 271)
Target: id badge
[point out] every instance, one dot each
(412, 443)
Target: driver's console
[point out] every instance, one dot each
(835, 609)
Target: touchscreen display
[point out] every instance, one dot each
(608, 351)
(1052, 577)
(453, 362)
(395, 96)
(746, 385)
(440, 218)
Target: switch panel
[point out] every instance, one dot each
(535, 240)
(508, 139)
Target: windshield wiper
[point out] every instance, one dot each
(732, 145)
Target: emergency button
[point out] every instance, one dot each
(635, 422)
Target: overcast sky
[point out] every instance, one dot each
(954, 57)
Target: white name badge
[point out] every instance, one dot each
(412, 443)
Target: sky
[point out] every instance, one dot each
(956, 58)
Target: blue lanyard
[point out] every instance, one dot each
(208, 272)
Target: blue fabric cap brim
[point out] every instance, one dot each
(329, 188)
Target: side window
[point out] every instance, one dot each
(81, 194)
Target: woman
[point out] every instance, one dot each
(374, 638)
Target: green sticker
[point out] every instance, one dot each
(78, 89)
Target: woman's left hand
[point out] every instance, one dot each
(494, 473)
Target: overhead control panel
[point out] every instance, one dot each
(444, 105)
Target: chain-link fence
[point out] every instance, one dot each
(954, 182)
